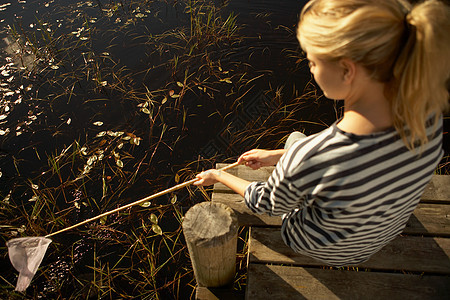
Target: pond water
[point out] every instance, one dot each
(106, 102)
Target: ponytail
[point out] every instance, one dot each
(418, 88)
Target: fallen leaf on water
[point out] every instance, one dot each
(98, 123)
(135, 141)
(180, 84)
(145, 204)
(145, 110)
(153, 219)
(34, 198)
(83, 151)
(156, 229)
(3, 132)
(119, 163)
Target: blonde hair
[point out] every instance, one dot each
(406, 47)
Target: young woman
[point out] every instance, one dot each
(347, 191)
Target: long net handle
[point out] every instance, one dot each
(169, 190)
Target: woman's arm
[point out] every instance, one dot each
(254, 159)
(258, 158)
(213, 176)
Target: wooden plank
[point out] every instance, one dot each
(204, 293)
(282, 282)
(427, 219)
(405, 253)
(245, 216)
(437, 191)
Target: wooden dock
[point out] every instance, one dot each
(415, 265)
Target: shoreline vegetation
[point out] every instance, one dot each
(107, 102)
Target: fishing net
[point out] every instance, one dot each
(26, 255)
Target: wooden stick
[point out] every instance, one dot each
(169, 190)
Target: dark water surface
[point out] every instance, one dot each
(106, 102)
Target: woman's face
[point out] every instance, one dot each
(329, 76)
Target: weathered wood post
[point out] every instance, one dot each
(210, 230)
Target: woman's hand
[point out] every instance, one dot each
(258, 158)
(207, 178)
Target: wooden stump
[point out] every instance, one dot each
(210, 230)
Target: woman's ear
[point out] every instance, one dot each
(348, 70)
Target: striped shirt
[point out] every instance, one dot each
(342, 197)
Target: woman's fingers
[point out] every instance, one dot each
(205, 178)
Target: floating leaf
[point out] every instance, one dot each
(83, 151)
(34, 186)
(98, 123)
(103, 220)
(22, 229)
(156, 229)
(180, 84)
(175, 96)
(119, 163)
(34, 198)
(153, 219)
(100, 134)
(177, 178)
(76, 204)
(145, 110)
(164, 100)
(136, 141)
(145, 204)
(171, 92)
(91, 160)
(173, 200)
